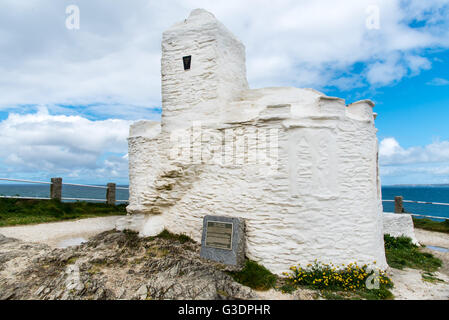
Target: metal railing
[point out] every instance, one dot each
(56, 190)
(399, 207)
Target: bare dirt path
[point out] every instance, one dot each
(60, 234)
(432, 238)
(409, 283)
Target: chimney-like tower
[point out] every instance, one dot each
(203, 69)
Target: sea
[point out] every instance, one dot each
(68, 191)
(427, 193)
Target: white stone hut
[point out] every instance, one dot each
(300, 167)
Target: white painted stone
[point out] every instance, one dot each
(300, 167)
(143, 162)
(153, 225)
(397, 225)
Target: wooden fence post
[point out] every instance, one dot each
(398, 206)
(56, 188)
(110, 194)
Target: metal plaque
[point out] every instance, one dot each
(219, 235)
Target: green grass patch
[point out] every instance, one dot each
(254, 276)
(383, 293)
(402, 253)
(72, 260)
(432, 225)
(24, 211)
(165, 234)
(430, 277)
(287, 288)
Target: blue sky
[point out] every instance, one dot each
(68, 96)
(414, 110)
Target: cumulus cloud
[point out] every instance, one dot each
(114, 58)
(70, 145)
(383, 73)
(441, 171)
(417, 63)
(438, 82)
(415, 174)
(420, 164)
(391, 153)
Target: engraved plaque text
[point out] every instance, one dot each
(219, 235)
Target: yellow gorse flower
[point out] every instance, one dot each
(325, 275)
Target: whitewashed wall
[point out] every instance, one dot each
(397, 225)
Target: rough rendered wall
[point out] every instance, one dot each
(398, 225)
(321, 204)
(144, 163)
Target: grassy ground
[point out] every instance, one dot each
(255, 276)
(19, 211)
(402, 253)
(432, 225)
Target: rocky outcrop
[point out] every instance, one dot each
(113, 265)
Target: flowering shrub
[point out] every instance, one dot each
(349, 277)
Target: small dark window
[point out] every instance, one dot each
(187, 61)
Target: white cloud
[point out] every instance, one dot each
(391, 153)
(396, 67)
(418, 165)
(69, 145)
(438, 82)
(388, 147)
(415, 174)
(442, 170)
(417, 63)
(114, 58)
(383, 73)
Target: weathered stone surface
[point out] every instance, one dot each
(111, 193)
(236, 255)
(114, 265)
(56, 188)
(4, 240)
